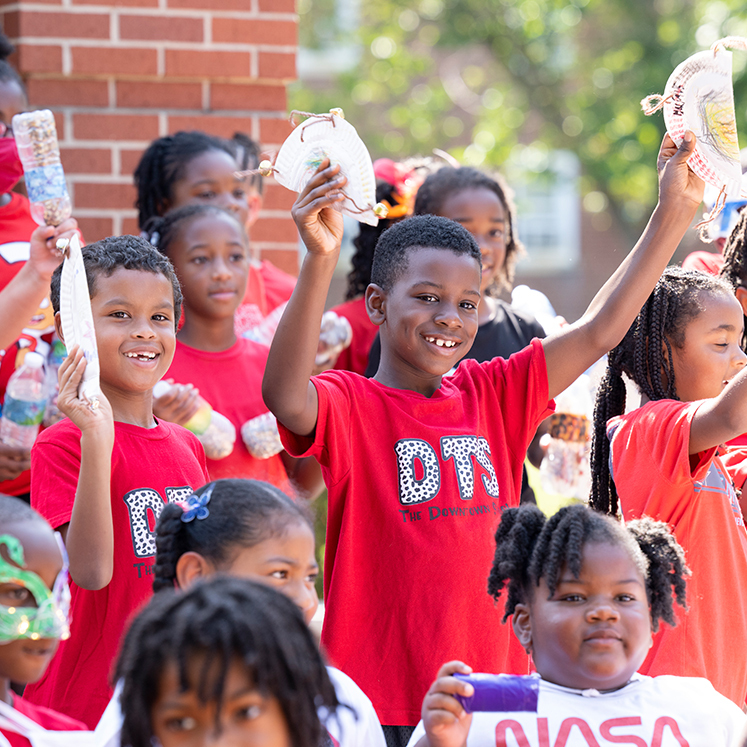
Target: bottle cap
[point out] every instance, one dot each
(161, 388)
(33, 360)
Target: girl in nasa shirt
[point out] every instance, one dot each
(585, 593)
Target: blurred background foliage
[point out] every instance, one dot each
(503, 84)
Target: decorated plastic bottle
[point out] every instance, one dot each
(261, 437)
(36, 138)
(565, 466)
(336, 334)
(216, 432)
(54, 361)
(25, 400)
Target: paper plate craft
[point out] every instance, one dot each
(330, 136)
(77, 319)
(699, 97)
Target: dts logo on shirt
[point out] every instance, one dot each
(144, 506)
(420, 469)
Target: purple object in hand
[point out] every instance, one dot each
(500, 692)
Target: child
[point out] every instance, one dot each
(684, 356)
(33, 613)
(194, 167)
(101, 477)
(208, 249)
(418, 468)
(25, 269)
(484, 205)
(735, 265)
(252, 530)
(228, 662)
(584, 593)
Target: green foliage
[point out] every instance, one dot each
(502, 83)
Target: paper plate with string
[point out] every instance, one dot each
(330, 136)
(699, 96)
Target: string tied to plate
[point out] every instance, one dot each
(718, 206)
(653, 103)
(313, 119)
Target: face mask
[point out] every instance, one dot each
(11, 168)
(49, 619)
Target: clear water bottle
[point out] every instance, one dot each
(25, 400)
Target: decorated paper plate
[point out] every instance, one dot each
(330, 136)
(699, 96)
(77, 319)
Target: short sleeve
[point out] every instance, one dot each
(55, 468)
(332, 432)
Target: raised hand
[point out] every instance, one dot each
(677, 181)
(43, 253)
(446, 722)
(319, 223)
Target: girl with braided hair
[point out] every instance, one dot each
(250, 529)
(584, 593)
(228, 662)
(664, 460)
(735, 264)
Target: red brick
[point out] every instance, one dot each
(222, 126)
(243, 5)
(130, 226)
(285, 259)
(196, 64)
(280, 65)
(161, 28)
(277, 197)
(94, 229)
(98, 60)
(75, 25)
(277, 6)
(31, 2)
(159, 95)
(115, 127)
(37, 58)
(120, 3)
(273, 131)
(274, 229)
(129, 159)
(11, 24)
(86, 160)
(254, 31)
(247, 97)
(102, 195)
(61, 92)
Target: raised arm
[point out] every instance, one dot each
(287, 387)
(609, 316)
(20, 299)
(722, 418)
(89, 536)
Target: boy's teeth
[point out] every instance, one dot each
(145, 356)
(441, 343)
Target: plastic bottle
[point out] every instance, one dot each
(216, 432)
(57, 354)
(261, 437)
(25, 400)
(335, 335)
(565, 466)
(36, 138)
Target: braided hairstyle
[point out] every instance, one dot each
(218, 623)
(646, 352)
(359, 276)
(163, 231)
(440, 185)
(530, 547)
(163, 164)
(735, 261)
(242, 513)
(246, 151)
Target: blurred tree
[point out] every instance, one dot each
(506, 82)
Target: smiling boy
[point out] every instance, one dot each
(418, 467)
(101, 477)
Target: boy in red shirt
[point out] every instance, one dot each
(418, 466)
(101, 477)
(33, 614)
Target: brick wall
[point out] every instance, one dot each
(118, 75)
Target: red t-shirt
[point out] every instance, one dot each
(45, 717)
(150, 466)
(355, 356)
(652, 470)
(16, 227)
(267, 288)
(231, 381)
(708, 262)
(416, 486)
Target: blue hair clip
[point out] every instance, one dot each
(197, 506)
